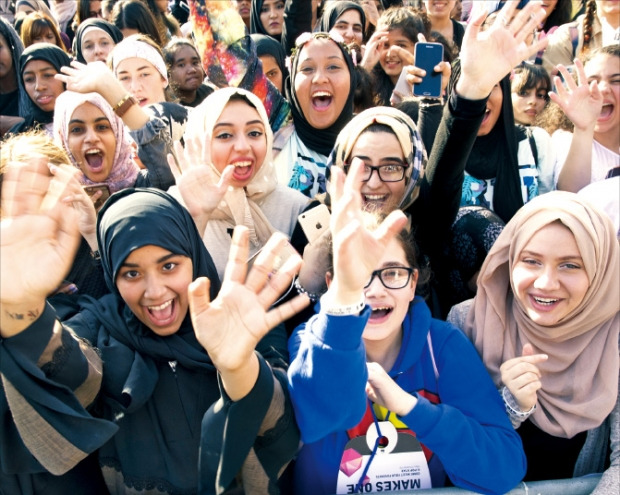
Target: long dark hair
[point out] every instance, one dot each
(133, 14)
(411, 24)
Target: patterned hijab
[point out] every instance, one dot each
(407, 134)
(124, 170)
(239, 205)
(580, 377)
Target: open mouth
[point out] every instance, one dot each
(243, 170)
(606, 111)
(374, 201)
(94, 159)
(142, 101)
(379, 314)
(163, 314)
(321, 100)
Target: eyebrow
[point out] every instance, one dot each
(137, 70)
(383, 159)
(561, 258)
(78, 121)
(160, 260)
(251, 122)
(337, 57)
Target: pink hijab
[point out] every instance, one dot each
(124, 171)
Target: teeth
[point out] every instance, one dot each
(374, 197)
(541, 300)
(93, 152)
(160, 307)
(321, 93)
(242, 164)
(382, 308)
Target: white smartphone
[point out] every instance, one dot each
(314, 222)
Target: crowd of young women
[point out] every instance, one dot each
(169, 323)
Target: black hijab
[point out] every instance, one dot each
(495, 155)
(320, 140)
(256, 25)
(102, 24)
(49, 53)
(266, 45)
(335, 9)
(17, 47)
(137, 217)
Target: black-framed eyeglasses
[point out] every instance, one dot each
(392, 277)
(387, 173)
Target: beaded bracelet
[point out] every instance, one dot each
(338, 310)
(314, 297)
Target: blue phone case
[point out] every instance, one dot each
(427, 56)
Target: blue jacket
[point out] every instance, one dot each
(466, 430)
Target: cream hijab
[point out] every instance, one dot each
(239, 205)
(580, 378)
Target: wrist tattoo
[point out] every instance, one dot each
(29, 315)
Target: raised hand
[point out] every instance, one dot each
(87, 78)
(382, 390)
(200, 187)
(488, 55)
(522, 377)
(357, 250)
(582, 103)
(230, 326)
(38, 239)
(372, 52)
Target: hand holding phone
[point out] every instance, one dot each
(105, 194)
(402, 89)
(314, 222)
(427, 56)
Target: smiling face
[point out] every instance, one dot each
(40, 84)
(605, 70)
(272, 16)
(548, 277)
(380, 149)
(153, 283)
(239, 139)
(91, 141)
(389, 306)
(439, 8)
(140, 78)
(390, 61)
(322, 82)
(494, 108)
(349, 26)
(186, 72)
(96, 44)
(272, 71)
(528, 103)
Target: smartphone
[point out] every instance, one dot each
(402, 89)
(90, 190)
(427, 56)
(314, 222)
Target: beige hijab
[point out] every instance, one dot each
(239, 205)
(580, 378)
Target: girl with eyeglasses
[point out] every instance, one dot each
(386, 396)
